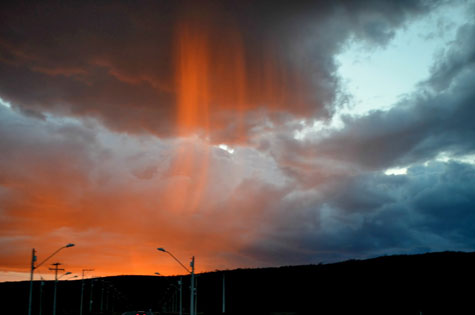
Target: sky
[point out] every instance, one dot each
(244, 133)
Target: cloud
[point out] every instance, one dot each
(119, 197)
(176, 67)
(343, 206)
(429, 209)
(102, 94)
(456, 60)
(417, 129)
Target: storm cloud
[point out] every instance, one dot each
(127, 126)
(428, 209)
(119, 62)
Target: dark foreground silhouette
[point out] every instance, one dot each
(436, 283)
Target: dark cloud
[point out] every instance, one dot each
(345, 210)
(459, 58)
(347, 207)
(417, 131)
(118, 61)
(432, 121)
(429, 209)
(446, 201)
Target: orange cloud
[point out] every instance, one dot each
(129, 105)
(175, 69)
(72, 185)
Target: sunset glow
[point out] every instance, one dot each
(244, 134)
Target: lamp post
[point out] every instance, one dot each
(82, 289)
(180, 283)
(41, 296)
(102, 295)
(33, 267)
(157, 273)
(224, 295)
(192, 272)
(90, 295)
(56, 269)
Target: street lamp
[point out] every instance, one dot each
(33, 267)
(41, 295)
(56, 269)
(82, 289)
(192, 272)
(64, 274)
(180, 283)
(91, 295)
(157, 273)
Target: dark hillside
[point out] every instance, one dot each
(436, 283)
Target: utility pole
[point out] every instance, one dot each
(180, 282)
(41, 295)
(33, 260)
(224, 294)
(56, 269)
(90, 296)
(108, 292)
(102, 295)
(176, 300)
(113, 299)
(82, 289)
(196, 296)
(192, 304)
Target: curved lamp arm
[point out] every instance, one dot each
(173, 256)
(65, 274)
(66, 246)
